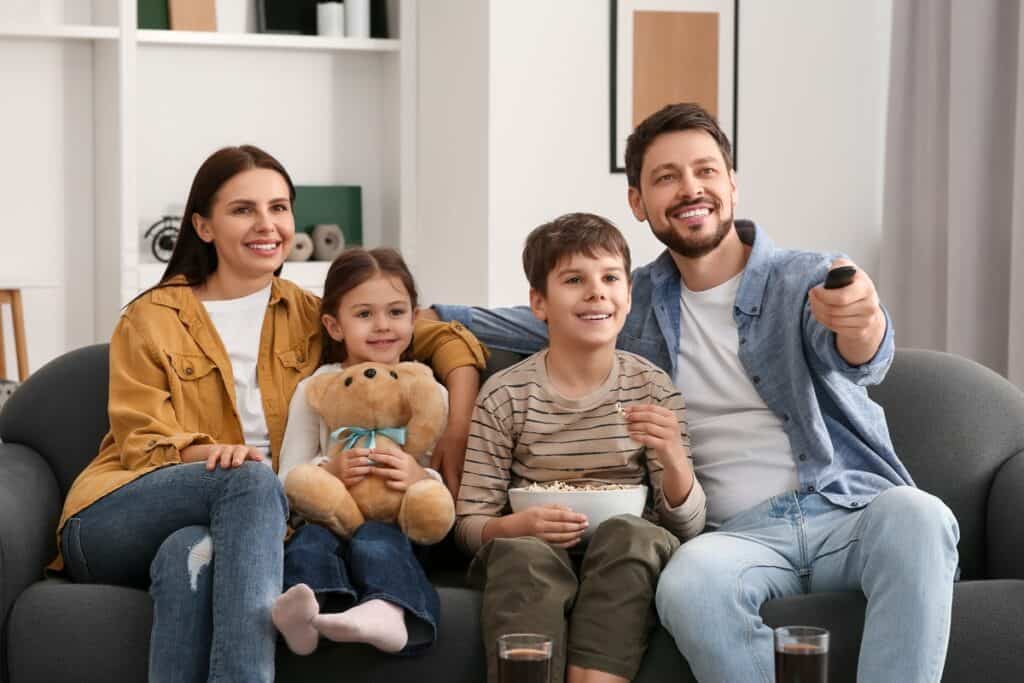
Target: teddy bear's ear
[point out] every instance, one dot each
(429, 415)
(316, 389)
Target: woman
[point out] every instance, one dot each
(183, 495)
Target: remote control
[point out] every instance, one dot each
(840, 277)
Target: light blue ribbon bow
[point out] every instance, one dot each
(396, 434)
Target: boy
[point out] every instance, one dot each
(582, 411)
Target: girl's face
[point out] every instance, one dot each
(374, 320)
(250, 225)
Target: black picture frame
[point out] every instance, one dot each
(613, 141)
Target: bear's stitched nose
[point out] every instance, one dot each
(369, 373)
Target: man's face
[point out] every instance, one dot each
(686, 194)
(587, 301)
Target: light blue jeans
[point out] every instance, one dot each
(900, 551)
(210, 547)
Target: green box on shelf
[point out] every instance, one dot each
(341, 204)
(153, 14)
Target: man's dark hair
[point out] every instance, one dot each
(668, 119)
(574, 233)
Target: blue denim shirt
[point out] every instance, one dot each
(838, 434)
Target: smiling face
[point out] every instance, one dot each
(586, 302)
(374, 320)
(250, 225)
(687, 193)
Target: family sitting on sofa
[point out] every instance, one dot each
(724, 375)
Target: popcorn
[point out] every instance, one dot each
(620, 410)
(581, 486)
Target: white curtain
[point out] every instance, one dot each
(952, 266)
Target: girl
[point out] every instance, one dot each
(370, 588)
(183, 496)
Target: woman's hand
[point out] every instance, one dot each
(448, 457)
(350, 466)
(228, 456)
(399, 469)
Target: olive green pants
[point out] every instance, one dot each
(600, 620)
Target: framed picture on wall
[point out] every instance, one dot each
(665, 51)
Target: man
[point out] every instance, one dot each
(804, 491)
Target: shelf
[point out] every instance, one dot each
(265, 40)
(308, 274)
(59, 31)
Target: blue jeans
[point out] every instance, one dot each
(376, 563)
(900, 551)
(209, 545)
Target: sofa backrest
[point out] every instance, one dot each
(953, 423)
(61, 411)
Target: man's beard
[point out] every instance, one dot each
(695, 247)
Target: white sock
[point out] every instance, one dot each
(376, 622)
(293, 614)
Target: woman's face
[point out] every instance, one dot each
(251, 224)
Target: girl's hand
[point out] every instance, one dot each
(555, 524)
(350, 466)
(399, 469)
(228, 456)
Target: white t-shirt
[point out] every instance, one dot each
(741, 454)
(239, 323)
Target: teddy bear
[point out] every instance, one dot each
(368, 405)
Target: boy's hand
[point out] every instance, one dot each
(657, 428)
(399, 469)
(350, 466)
(228, 456)
(555, 524)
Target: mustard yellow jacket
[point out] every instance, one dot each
(171, 383)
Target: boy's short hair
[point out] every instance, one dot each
(574, 233)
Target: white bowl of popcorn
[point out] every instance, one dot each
(595, 500)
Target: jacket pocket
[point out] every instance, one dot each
(299, 356)
(200, 394)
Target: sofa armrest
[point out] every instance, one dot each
(1005, 537)
(30, 505)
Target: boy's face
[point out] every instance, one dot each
(587, 301)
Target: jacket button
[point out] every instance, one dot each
(810, 489)
(757, 379)
(803, 456)
(151, 443)
(188, 371)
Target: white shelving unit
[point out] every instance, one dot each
(145, 107)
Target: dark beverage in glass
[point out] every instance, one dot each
(524, 658)
(801, 654)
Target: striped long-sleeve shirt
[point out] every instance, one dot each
(524, 432)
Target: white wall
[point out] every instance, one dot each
(452, 119)
(813, 82)
(46, 235)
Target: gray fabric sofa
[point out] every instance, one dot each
(958, 427)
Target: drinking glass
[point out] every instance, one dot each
(801, 654)
(524, 658)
